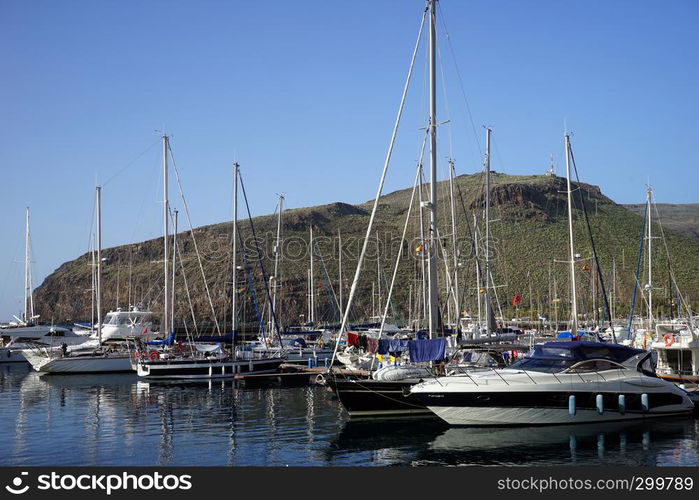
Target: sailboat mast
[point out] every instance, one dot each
(28, 301)
(93, 271)
(424, 301)
(174, 270)
(378, 273)
(277, 250)
(488, 305)
(166, 294)
(339, 270)
(312, 312)
(432, 255)
(99, 262)
(234, 304)
(574, 299)
(649, 196)
(457, 301)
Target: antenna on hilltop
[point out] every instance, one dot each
(551, 172)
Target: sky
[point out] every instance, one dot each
(304, 96)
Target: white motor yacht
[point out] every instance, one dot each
(121, 325)
(560, 383)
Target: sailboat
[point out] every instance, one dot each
(199, 360)
(25, 333)
(91, 356)
(387, 391)
(675, 342)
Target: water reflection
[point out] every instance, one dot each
(119, 420)
(644, 443)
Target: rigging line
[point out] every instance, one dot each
(251, 284)
(461, 83)
(389, 153)
(446, 103)
(670, 269)
(186, 287)
(592, 243)
(638, 269)
(400, 247)
(121, 171)
(265, 279)
(328, 282)
(194, 241)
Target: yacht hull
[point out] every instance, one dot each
(80, 364)
(482, 406)
(205, 369)
(498, 416)
(367, 397)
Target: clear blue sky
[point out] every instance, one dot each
(304, 94)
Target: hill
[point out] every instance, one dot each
(529, 238)
(683, 218)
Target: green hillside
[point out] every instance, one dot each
(529, 234)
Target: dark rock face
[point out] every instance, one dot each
(529, 232)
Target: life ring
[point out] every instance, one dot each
(669, 339)
(154, 355)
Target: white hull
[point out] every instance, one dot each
(80, 364)
(494, 416)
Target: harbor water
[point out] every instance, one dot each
(116, 419)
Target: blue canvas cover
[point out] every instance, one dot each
(427, 350)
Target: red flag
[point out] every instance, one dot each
(516, 300)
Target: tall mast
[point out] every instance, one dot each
(339, 270)
(476, 245)
(649, 196)
(312, 312)
(274, 279)
(488, 305)
(28, 300)
(234, 304)
(166, 294)
(174, 270)
(99, 263)
(432, 256)
(455, 282)
(424, 301)
(378, 274)
(574, 299)
(94, 284)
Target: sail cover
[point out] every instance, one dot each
(427, 350)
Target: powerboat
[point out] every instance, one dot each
(15, 341)
(121, 325)
(559, 383)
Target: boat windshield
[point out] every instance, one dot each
(542, 365)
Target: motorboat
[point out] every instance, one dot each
(14, 341)
(559, 383)
(121, 325)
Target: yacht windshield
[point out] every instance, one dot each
(541, 365)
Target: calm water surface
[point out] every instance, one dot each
(118, 420)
